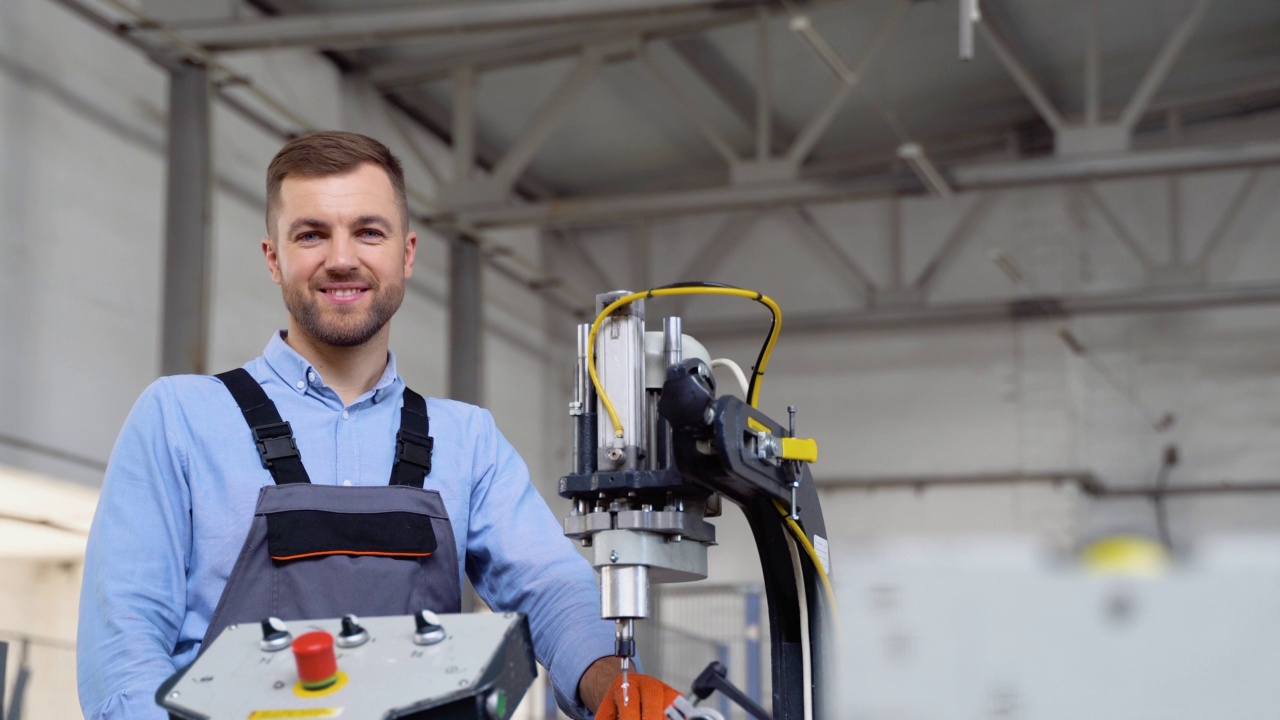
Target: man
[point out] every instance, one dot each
(198, 523)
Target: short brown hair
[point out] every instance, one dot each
(331, 152)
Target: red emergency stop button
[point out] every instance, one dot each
(317, 666)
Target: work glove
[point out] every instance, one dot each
(647, 699)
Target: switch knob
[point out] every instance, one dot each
(275, 635)
(317, 666)
(352, 634)
(429, 631)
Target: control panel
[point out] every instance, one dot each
(420, 667)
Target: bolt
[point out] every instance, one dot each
(174, 694)
(613, 556)
(614, 455)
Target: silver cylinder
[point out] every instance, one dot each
(581, 379)
(672, 341)
(620, 367)
(624, 591)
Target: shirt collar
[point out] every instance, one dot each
(297, 372)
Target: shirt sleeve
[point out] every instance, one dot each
(133, 598)
(519, 559)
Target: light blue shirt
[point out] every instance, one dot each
(180, 492)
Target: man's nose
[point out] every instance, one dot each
(342, 253)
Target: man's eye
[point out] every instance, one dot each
(371, 233)
(309, 237)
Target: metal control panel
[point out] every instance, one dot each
(479, 667)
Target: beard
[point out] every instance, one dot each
(343, 326)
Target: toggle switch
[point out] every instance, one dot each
(352, 634)
(275, 635)
(429, 631)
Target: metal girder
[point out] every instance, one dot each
(188, 202)
(610, 210)
(1228, 217)
(691, 111)
(731, 232)
(1122, 234)
(710, 65)
(1161, 66)
(546, 120)
(1022, 76)
(371, 27)
(955, 241)
(818, 124)
(1047, 307)
(1116, 165)
(810, 228)
(526, 48)
(764, 90)
(571, 240)
(1084, 479)
(1093, 64)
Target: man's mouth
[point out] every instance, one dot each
(344, 294)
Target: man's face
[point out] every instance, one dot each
(341, 254)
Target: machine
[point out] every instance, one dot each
(655, 452)
(422, 667)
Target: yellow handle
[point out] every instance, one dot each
(803, 449)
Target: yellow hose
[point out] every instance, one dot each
(803, 541)
(665, 292)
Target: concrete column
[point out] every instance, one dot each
(466, 328)
(466, 320)
(185, 314)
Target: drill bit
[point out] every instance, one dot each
(625, 648)
(626, 686)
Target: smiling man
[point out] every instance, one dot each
(263, 491)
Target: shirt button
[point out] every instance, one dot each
(311, 377)
(347, 483)
(345, 415)
(301, 384)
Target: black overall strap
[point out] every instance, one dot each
(273, 436)
(413, 442)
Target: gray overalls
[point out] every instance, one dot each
(322, 551)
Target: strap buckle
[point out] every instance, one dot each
(414, 448)
(275, 442)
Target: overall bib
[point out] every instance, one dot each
(322, 551)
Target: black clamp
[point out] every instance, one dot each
(415, 449)
(275, 442)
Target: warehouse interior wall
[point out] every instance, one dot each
(81, 205)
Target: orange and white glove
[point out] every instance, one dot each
(647, 699)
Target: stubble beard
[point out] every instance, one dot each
(341, 326)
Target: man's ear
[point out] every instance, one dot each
(273, 260)
(410, 253)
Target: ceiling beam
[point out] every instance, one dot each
(513, 49)
(705, 61)
(372, 27)
(614, 210)
(1161, 66)
(1022, 76)
(1049, 307)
